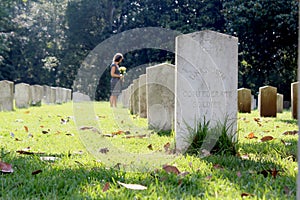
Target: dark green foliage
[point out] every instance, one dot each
(220, 138)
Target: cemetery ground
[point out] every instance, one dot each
(50, 161)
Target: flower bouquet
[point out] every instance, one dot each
(122, 70)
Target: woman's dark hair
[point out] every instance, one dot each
(118, 58)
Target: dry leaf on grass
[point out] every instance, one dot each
(104, 150)
(251, 136)
(246, 195)
(5, 167)
(290, 132)
(150, 147)
(106, 187)
(36, 172)
(133, 186)
(171, 169)
(266, 138)
(167, 146)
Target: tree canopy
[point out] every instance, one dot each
(45, 42)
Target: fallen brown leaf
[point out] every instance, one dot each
(104, 150)
(26, 128)
(218, 166)
(106, 187)
(266, 138)
(246, 195)
(45, 132)
(290, 132)
(167, 146)
(150, 147)
(251, 136)
(36, 172)
(171, 169)
(5, 167)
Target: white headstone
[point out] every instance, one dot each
(22, 95)
(47, 94)
(161, 96)
(6, 95)
(136, 96)
(142, 96)
(279, 103)
(53, 95)
(37, 92)
(206, 83)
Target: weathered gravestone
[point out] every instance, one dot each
(244, 100)
(6, 95)
(79, 97)
(22, 95)
(206, 84)
(142, 96)
(37, 92)
(268, 101)
(294, 99)
(131, 99)
(69, 95)
(253, 103)
(161, 96)
(59, 95)
(279, 103)
(125, 98)
(136, 96)
(47, 94)
(53, 95)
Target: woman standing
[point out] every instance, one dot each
(115, 83)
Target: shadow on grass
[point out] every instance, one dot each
(288, 121)
(264, 166)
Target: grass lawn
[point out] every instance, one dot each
(55, 157)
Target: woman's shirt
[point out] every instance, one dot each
(117, 72)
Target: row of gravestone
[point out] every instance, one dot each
(23, 95)
(201, 86)
(269, 101)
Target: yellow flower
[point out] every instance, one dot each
(122, 70)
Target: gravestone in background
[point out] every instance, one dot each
(206, 83)
(136, 96)
(161, 96)
(142, 96)
(53, 95)
(244, 100)
(47, 94)
(59, 95)
(294, 99)
(69, 95)
(253, 103)
(279, 103)
(22, 95)
(37, 92)
(268, 101)
(131, 99)
(6, 95)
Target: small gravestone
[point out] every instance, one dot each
(161, 96)
(59, 95)
(294, 99)
(37, 92)
(53, 95)
(279, 103)
(142, 96)
(126, 97)
(22, 95)
(47, 94)
(253, 102)
(244, 100)
(69, 95)
(136, 96)
(131, 99)
(268, 101)
(80, 97)
(206, 84)
(6, 95)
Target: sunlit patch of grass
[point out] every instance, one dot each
(79, 173)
